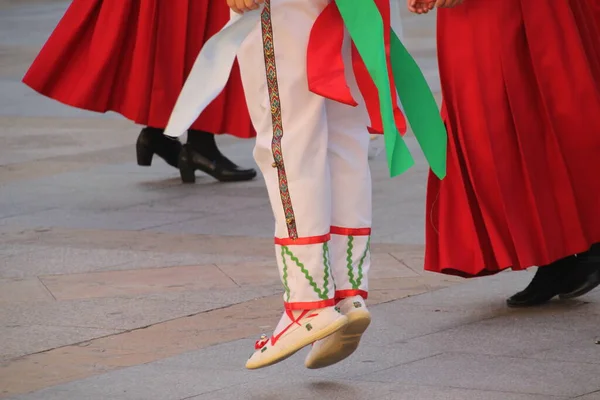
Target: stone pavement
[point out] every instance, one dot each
(118, 282)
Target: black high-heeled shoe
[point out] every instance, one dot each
(548, 282)
(586, 277)
(221, 168)
(152, 141)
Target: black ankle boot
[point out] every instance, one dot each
(548, 282)
(152, 141)
(586, 276)
(201, 153)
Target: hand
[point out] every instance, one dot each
(420, 6)
(241, 6)
(447, 3)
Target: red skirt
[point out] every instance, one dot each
(133, 57)
(520, 82)
(596, 7)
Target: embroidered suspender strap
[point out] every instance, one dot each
(273, 88)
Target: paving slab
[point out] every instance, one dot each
(411, 392)
(590, 396)
(118, 282)
(102, 313)
(23, 290)
(145, 383)
(344, 389)
(20, 340)
(519, 337)
(96, 220)
(137, 282)
(23, 261)
(580, 351)
(369, 358)
(407, 365)
(497, 373)
(488, 293)
(303, 389)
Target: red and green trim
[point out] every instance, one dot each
(351, 233)
(361, 262)
(335, 230)
(322, 291)
(303, 241)
(338, 230)
(310, 305)
(343, 294)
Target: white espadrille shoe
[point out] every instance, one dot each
(344, 342)
(303, 330)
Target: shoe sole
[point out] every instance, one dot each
(332, 328)
(528, 305)
(228, 178)
(245, 178)
(344, 343)
(583, 290)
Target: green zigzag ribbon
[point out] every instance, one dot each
(365, 25)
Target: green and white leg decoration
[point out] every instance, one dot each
(305, 271)
(351, 250)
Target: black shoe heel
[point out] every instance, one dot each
(152, 141)
(186, 169)
(144, 155)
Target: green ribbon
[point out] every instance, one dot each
(365, 26)
(420, 107)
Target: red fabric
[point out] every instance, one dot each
(595, 4)
(520, 81)
(338, 230)
(132, 57)
(302, 241)
(324, 62)
(309, 305)
(365, 82)
(326, 69)
(344, 294)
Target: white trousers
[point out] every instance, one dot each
(313, 153)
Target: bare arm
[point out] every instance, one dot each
(424, 6)
(241, 6)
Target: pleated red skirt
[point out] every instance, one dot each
(132, 57)
(596, 9)
(520, 81)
